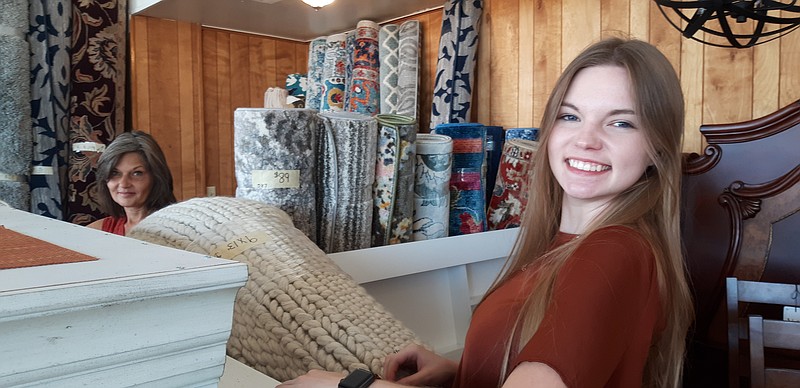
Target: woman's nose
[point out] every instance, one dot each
(589, 137)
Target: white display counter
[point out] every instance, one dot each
(140, 314)
(432, 286)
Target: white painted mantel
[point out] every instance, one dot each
(141, 314)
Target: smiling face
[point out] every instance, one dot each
(597, 147)
(130, 181)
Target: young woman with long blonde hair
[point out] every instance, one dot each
(594, 293)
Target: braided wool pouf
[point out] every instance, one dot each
(298, 310)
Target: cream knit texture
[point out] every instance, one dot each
(298, 310)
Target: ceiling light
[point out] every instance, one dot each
(742, 23)
(317, 4)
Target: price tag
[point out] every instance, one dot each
(276, 179)
(791, 314)
(240, 244)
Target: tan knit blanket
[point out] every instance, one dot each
(298, 310)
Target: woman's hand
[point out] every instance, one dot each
(315, 378)
(426, 368)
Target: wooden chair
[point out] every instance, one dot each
(768, 333)
(740, 213)
(743, 291)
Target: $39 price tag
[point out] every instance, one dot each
(276, 179)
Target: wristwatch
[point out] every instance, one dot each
(359, 378)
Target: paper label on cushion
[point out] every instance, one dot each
(791, 313)
(276, 179)
(239, 244)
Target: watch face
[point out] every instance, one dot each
(358, 378)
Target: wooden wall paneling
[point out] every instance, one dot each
(504, 63)
(233, 92)
(224, 116)
(211, 103)
(547, 51)
(214, 46)
(728, 85)
(766, 78)
(301, 58)
(789, 90)
(240, 73)
(640, 19)
(165, 123)
(140, 72)
(190, 110)
(692, 64)
(198, 116)
(580, 27)
(615, 18)
(525, 68)
(261, 61)
(666, 37)
(284, 61)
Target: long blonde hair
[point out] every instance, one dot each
(649, 206)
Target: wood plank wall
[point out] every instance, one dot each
(529, 42)
(187, 79)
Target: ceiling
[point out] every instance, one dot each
(289, 19)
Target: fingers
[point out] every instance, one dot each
(393, 362)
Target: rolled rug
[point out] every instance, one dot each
(16, 148)
(408, 72)
(467, 178)
(298, 310)
(350, 48)
(346, 173)
(364, 92)
(333, 74)
(522, 133)
(432, 186)
(275, 161)
(296, 85)
(49, 41)
(455, 68)
(510, 195)
(495, 137)
(389, 43)
(393, 213)
(316, 64)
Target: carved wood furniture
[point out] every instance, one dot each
(739, 218)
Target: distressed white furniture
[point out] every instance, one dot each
(141, 314)
(238, 375)
(432, 286)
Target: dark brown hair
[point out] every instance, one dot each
(146, 146)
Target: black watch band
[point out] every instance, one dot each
(359, 378)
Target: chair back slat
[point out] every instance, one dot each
(759, 332)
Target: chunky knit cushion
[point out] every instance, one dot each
(298, 310)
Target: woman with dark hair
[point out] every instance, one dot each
(136, 181)
(594, 293)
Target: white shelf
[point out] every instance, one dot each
(432, 286)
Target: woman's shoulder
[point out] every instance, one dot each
(619, 244)
(97, 224)
(617, 234)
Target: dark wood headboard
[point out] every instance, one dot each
(740, 218)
